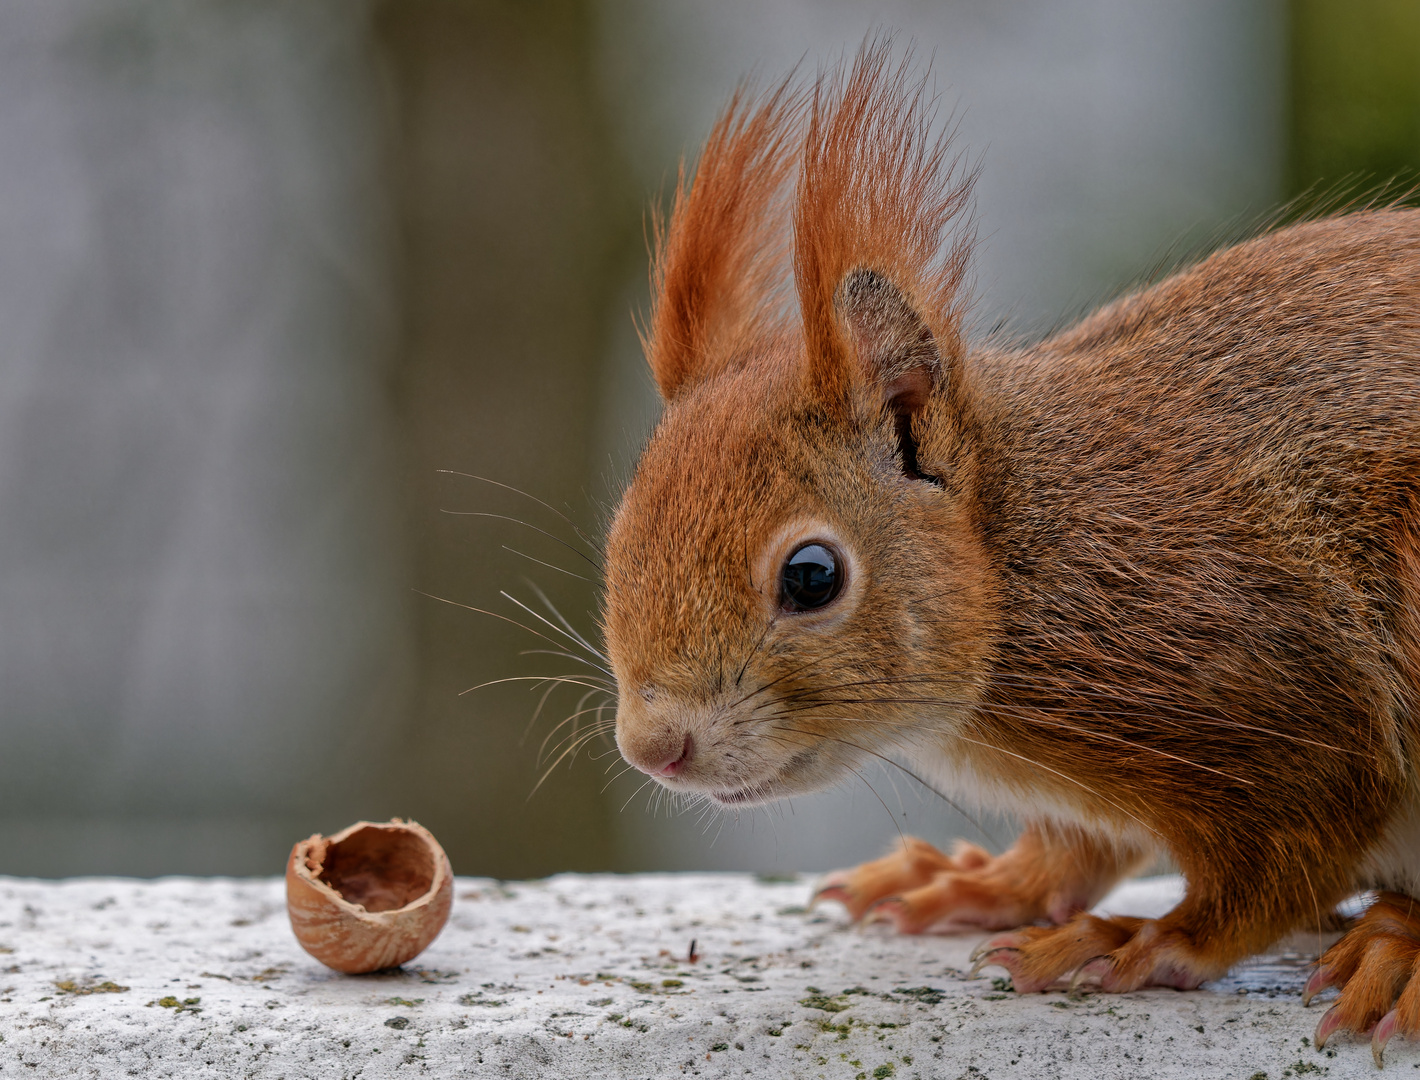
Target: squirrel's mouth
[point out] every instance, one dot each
(787, 779)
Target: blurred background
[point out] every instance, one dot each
(280, 278)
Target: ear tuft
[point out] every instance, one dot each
(720, 259)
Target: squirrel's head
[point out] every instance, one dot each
(795, 580)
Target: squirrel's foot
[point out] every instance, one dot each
(1377, 967)
(1115, 954)
(918, 888)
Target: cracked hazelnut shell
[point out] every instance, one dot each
(372, 896)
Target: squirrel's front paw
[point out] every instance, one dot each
(1377, 966)
(918, 888)
(1119, 953)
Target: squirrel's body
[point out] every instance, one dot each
(1154, 583)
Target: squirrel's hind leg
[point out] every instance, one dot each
(1377, 967)
(1050, 873)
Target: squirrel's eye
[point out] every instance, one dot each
(811, 578)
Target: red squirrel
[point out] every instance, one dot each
(1152, 584)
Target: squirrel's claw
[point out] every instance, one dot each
(1097, 968)
(890, 909)
(833, 887)
(1382, 1034)
(1331, 1021)
(992, 958)
(1321, 978)
(1001, 957)
(991, 944)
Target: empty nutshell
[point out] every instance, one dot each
(372, 896)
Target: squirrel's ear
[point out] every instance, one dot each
(895, 348)
(895, 352)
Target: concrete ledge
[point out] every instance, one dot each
(580, 975)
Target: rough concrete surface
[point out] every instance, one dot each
(580, 975)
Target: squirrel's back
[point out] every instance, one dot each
(1268, 398)
(1298, 345)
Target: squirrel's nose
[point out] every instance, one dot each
(675, 765)
(657, 753)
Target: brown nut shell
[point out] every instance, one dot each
(372, 896)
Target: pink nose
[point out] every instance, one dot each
(676, 764)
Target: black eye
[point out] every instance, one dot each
(811, 578)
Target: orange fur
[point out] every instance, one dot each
(1041, 877)
(719, 258)
(1154, 582)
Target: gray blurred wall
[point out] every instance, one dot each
(267, 267)
(203, 607)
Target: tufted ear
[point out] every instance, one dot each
(894, 349)
(719, 260)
